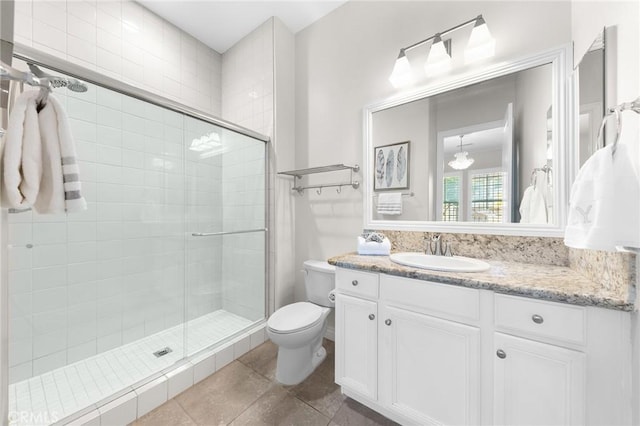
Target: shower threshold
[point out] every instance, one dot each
(54, 395)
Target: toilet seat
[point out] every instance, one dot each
(295, 317)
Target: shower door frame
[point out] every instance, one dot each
(34, 56)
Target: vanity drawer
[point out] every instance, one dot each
(357, 283)
(446, 301)
(556, 321)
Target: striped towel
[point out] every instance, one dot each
(60, 189)
(22, 154)
(390, 203)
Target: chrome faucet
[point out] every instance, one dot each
(437, 247)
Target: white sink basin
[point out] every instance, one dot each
(440, 263)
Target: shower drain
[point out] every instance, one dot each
(162, 352)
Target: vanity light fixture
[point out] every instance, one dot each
(439, 59)
(481, 45)
(401, 75)
(462, 161)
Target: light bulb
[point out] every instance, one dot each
(401, 75)
(439, 60)
(481, 45)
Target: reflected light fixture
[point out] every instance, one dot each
(207, 145)
(439, 59)
(462, 161)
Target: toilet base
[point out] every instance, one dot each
(295, 365)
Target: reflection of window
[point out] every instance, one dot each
(487, 197)
(451, 203)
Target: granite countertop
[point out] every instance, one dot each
(554, 283)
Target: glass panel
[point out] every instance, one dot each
(96, 293)
(226, 272)
(99, 300)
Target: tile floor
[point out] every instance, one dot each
(66, 390)
(245, 393)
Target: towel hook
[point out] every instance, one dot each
(319, 191)
(339, 190)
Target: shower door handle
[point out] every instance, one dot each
(212, 234)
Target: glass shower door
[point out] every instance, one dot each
(226, 234)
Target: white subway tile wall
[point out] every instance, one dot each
(91, 282)
(122, 39)
(86, 283)
(247, 99)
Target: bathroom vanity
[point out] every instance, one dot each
(517, 344)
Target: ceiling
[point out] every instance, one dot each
(221, 24)
(482, 140)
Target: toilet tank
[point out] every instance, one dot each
(319, 280)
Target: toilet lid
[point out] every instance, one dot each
(295, 316)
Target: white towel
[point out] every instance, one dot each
(22, 154)
(533, 208)
(60, 187)
(374, 248)
(390, 203)
(604, 207)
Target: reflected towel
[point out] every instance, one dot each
(374, 248)
(22, 154)
(60, 187)
(390, 203)
(533, 208)
(604, 206)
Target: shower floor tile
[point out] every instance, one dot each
(54, 395)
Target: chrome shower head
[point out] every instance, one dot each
(76, 85)
(58, 81)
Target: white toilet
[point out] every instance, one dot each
(298, 328)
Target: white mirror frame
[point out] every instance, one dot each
(562, 150)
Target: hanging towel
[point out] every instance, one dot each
(390, 203)
(604, 207)
(60, 190)
(533, 208)
(22, 154)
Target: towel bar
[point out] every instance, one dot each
(211, 234)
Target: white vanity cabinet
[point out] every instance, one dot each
(537, 383)
(425, 353)
(357, 332)
(534, 382)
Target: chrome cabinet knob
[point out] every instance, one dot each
(537, 319)
(501, 354)
(387, 321)
(354, 282)
(372, 317)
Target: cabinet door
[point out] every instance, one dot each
(537, 384)
(429, 368)
(357, 345)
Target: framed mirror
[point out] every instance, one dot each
(488, 152)
(588, 79)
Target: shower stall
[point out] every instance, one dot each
(167, 263)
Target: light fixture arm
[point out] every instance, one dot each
(443, 33)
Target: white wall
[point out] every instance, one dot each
(343, 62)
(623, 85)
(283, 158)
(258, 80)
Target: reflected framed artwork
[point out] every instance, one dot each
(391, 166)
